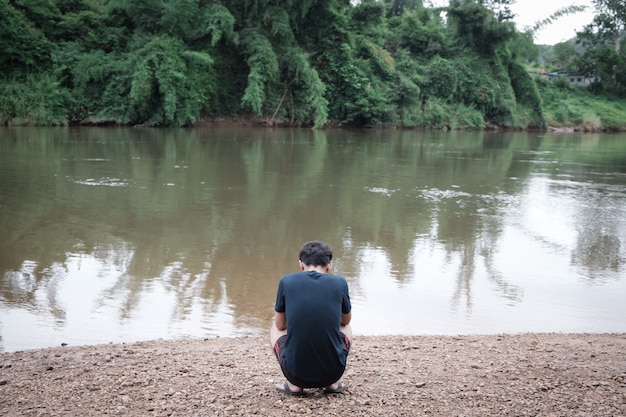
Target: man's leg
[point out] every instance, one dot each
(338, 386)
(275, 334)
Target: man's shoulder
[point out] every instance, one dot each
(293, 275)
(338, 278)
(300, 274)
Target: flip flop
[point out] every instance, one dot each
(285, 390)
(341, 387)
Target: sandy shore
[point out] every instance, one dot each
(506, 375)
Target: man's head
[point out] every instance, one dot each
(316, 253)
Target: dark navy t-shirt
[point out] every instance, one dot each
(315, 352)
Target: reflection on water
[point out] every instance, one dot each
(129, 234)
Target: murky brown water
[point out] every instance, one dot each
(112, 235)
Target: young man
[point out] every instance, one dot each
(311, 335)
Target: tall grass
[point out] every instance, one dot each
(566, 105)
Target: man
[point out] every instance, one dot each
(311, 335)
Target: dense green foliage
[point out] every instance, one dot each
(604, 56)
(566, 105)
(302, 63)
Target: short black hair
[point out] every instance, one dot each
(316, 253)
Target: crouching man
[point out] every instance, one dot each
(311, 335)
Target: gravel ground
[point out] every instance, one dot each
(503, 375)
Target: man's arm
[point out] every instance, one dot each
(280, 320)
(345, 318)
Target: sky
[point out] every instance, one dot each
(529, 12)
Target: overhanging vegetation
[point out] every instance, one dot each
(297, 63)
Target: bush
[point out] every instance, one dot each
(37, 101)
(562, 83)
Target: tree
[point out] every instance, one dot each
(166, 89)
(603, 58)
(44, 14)
(501, 8)
(298, 62)
(23, 47)
(477, 27)
(563, 55)
(606, 67)
(276, 42)
(523, 48)
(421, 32)
(610, 20)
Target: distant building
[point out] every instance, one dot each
(574, 79)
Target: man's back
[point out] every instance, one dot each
(315, 350)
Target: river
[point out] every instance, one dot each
(126, 234)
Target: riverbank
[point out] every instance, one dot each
(522, 375)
